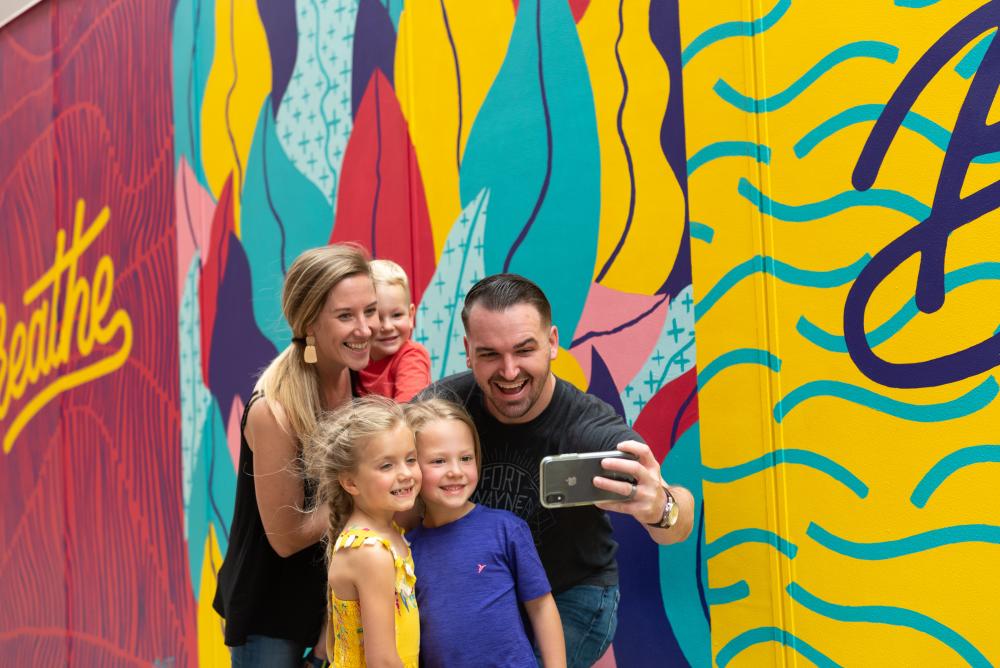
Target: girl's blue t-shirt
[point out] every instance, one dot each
(471, 575)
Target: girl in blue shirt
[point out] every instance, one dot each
(474, 565)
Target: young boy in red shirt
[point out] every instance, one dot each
(399, 367)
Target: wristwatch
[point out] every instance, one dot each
(671, 511)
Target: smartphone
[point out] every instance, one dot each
(568, 480)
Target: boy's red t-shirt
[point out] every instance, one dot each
(399, 376)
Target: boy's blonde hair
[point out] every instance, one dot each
(387, 272)
(336, 447)
(420, 413)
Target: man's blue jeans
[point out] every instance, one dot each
(589, 618)
(261, 651)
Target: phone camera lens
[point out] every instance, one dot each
(555, 498)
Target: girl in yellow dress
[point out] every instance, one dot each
(365, 461)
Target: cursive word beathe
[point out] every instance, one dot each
(69, 316)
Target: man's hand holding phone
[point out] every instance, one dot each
(643, 500)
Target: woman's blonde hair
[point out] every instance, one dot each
(336, 447)
(288, 380)
(420, 413)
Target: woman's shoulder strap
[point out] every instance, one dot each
(257, 394)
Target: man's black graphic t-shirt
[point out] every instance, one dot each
(575, 544)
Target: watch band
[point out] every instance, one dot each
(670, 511)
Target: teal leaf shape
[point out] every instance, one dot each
(213, 491)
(208, 478)
(534, 145)
(283, 214)
(314, 119)
(193, 48)
(439, 317)
(195, 397)
(672, 355)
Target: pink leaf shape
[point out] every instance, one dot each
(622, 326)
(233, 434)
(195, 209)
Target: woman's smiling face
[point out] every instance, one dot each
(343, 329)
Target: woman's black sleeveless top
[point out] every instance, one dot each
(260, 592)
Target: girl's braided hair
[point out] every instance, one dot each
(336, 446)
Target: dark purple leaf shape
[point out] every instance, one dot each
(283, 42)
(640, 613)
(664, 30)
(374, 48)
(602, 385)
(239, 349)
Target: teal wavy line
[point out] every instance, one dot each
(723, 31)
(829, 278)
(902, 547)
(743, 536)
(863, 49)
(787, 456)
(675, 358)
(728, 149)
(956, 278)
(702, 232)
(836, 344)
(975, 454)
(969, 63)
(738, 356)
(765, 634)
(915, 4)
(975, 399)
(864, 113)
(734, 592)
(803, 213)
(884, 614)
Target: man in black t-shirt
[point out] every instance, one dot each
(524, 413)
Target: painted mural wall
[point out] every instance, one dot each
(842, 173)
(825, 170)
(163, 165)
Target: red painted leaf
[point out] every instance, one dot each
(669, 414)
(381, 188)
(213, 271)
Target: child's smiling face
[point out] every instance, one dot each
(387, 479)
(447, 457)
(395, 314)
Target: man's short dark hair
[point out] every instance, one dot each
(499, 292)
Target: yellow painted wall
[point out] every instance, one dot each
(879, 574)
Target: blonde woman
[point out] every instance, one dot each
(272, 582)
